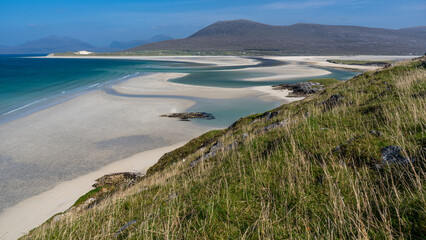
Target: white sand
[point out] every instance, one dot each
(87, 132)
(26, 215)
(321, 61)
(279, 94)
(285, 72)
(157, 84)
(215, 60)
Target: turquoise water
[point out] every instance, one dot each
(234, 79)
(31, 84)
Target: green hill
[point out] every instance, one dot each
(347, 162)
(227, 37)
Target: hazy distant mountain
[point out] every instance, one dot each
(304, 39)
(50, 44)
(415, 29)
(56, 44)
(119, 45)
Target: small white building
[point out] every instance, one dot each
(83, 52)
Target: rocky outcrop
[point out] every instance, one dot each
(333, 101)
(392, 155)
(214, 150)
(300, 89)
(190, 115)
(124, 178)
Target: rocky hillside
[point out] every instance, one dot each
(347, 162)
(302, 39)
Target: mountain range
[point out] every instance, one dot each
(55, 44)
(302, 38)
(254, 37)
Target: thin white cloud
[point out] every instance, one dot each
(297, 5)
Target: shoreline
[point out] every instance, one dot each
(12, 217)
(64, 194)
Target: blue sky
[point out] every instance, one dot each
(101, 21)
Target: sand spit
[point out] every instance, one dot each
(321, 61)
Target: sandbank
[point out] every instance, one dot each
(321, 61)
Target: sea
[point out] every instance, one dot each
(29, 83)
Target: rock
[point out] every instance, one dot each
(307, 114)
(375, 133)
(173, 196)
(273, 126)
(190, 115)
(300, 89)
(58, 217)
(245, 135)
(333, 101)
(338, 148)
(391, 155)
(117, 179)
(266, 116)
(213, 151)
(128, 224)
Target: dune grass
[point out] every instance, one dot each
(319, 175)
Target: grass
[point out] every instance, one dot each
(327, 82)
(88, 195)
(287, 182)
(364, 63)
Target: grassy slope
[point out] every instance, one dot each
(363, 63)
(287, 182)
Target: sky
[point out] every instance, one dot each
(101, 21)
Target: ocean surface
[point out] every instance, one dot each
(29, 84)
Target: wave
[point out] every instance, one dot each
(19, 108)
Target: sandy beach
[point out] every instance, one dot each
(33, 211)
(98, 133)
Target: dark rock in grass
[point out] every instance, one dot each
(268, 115)
(419, 95)
(392, 155)
(375, 133)
(274, 126)
(117, 179)
(190, 115)
(300, 89)
(214, 150)
(265, 116)
(307, 114)
(128, 224)
(333, 101)
(338, 148)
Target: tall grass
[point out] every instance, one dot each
(289, 182)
